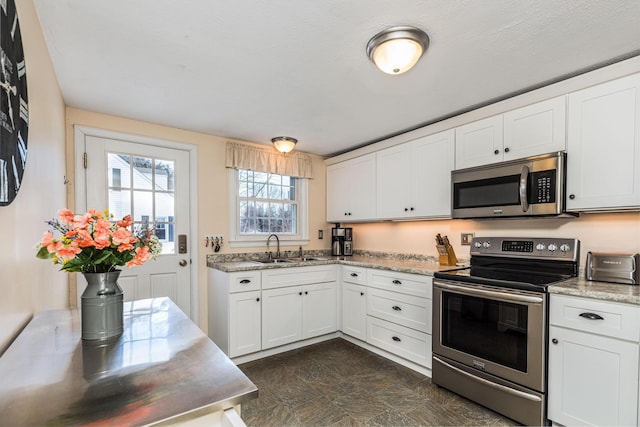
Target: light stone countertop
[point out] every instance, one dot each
(614, 292)
(403, 264)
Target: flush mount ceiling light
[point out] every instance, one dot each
(397, 49)
(284, 144)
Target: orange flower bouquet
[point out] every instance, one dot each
(92, 243)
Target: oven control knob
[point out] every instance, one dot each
(540, 246)
(552, 247)
(565, 248)
(486, 245)
(477, 244)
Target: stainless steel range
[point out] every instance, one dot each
(490, 323)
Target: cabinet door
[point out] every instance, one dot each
(319, 309)
(603, 146)
(432, 160)
(394, 182)
(354, 311)
(479, 143)
(338, 192)
(245, 318)
(362, 188)
(281, 316)
(535, 129)
(593, 380)
(351, 189)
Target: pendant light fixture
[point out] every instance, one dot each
(284, 144)
(397, 49)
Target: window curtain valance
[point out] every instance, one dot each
(241, 156)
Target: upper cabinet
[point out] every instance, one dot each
(413, 178)
(351, 189)
(603, 146)
(528, 131)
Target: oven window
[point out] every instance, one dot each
(492, 330)
(501, 191)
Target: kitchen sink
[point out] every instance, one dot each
(308, 258)
(275, 261)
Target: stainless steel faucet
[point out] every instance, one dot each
(277, 248)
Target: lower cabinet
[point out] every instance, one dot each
(354, 311)
(593, 362)
(245, 316)
(405, 342)
(298, 312)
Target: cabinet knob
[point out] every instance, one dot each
(361, 293)
(555, 341)
(306, 293)
(496, 152)
(506, 150)
(406, 209)
(299, 293)
(572, 196)
(411, 209)
(258, 299)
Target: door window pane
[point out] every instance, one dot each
(152, 203)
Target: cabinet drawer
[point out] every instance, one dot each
(357, 275)
(404, 342)
(407, 310)
(596, 317)
(242, 281)
(282, 277)
(413, 284)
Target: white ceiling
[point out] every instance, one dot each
(252, 70)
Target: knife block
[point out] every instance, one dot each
(446, 255)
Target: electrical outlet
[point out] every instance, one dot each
(320, 234)
(465, 238)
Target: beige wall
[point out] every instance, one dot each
(27, 284)
(612, 232)
(213, 212)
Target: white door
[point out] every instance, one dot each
(151, 183)
(245, 317)
(319, 309)
(281, 316)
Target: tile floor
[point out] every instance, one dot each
(336, 383)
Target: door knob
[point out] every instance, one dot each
(183, 263)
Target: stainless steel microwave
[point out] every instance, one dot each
(534, 186)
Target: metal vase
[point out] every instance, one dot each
(101, 306)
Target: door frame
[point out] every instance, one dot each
(81, 132)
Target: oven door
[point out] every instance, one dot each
(499, 331)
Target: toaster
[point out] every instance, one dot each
(613, 267)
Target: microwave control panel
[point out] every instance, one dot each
(543, 187)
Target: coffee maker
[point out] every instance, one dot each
(341, 241)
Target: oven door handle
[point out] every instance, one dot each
(501, 387)
(505, 296)
(524, 183)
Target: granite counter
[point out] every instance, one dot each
(614, 292)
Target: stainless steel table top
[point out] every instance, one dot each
(161, 367)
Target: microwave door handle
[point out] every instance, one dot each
(524, 183)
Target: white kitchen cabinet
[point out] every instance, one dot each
(245, 317)
(410, 176)
(399, 314)
(480, 142)
(298, 303)
(351, 189)
(235, 311)
(354, 302)
(531, 130)
(603, 146)
(593, 362)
